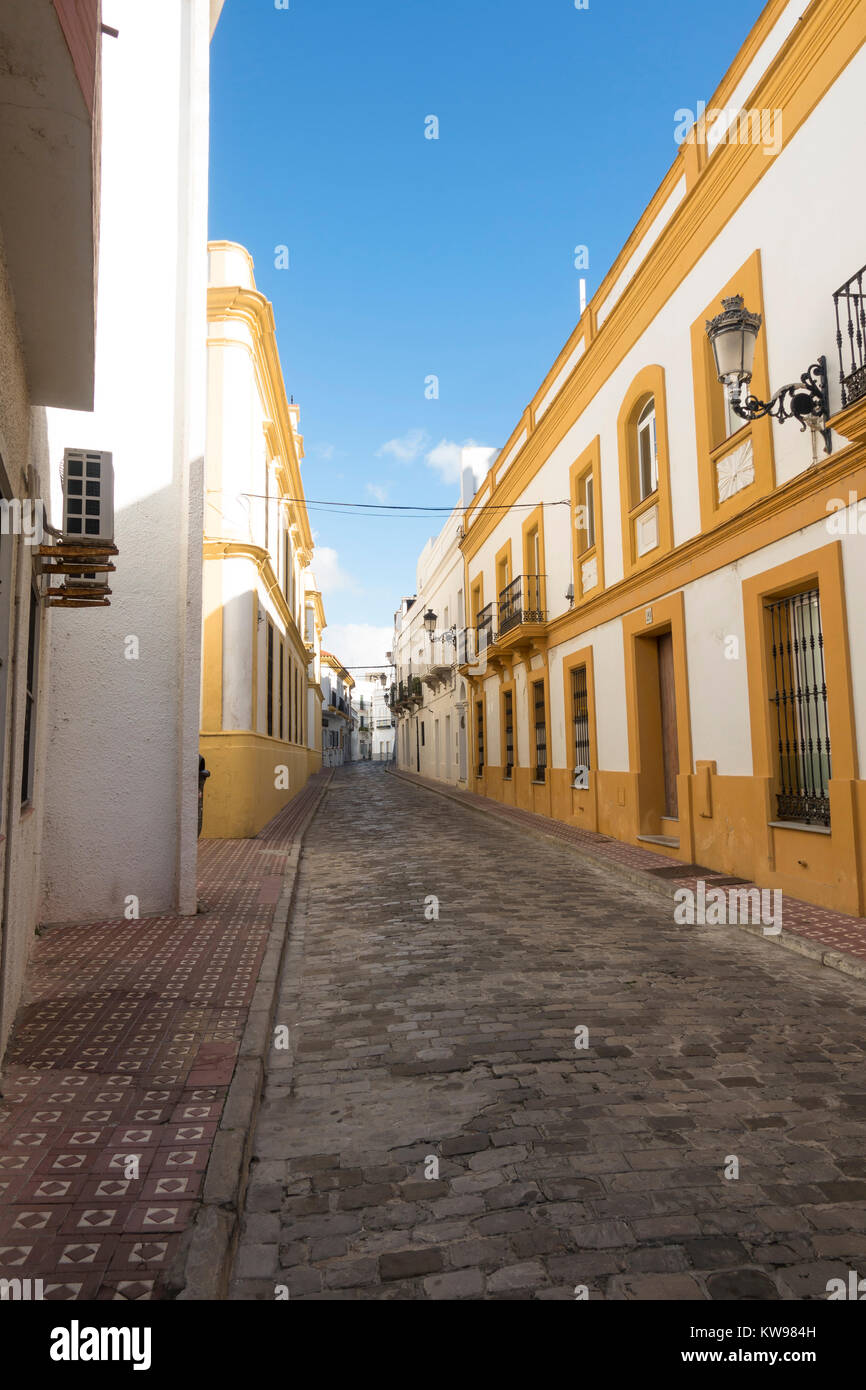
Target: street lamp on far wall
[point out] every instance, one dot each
(449, 635)
(733, 334)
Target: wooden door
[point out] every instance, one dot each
(668, 705)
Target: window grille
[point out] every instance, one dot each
(282, 690)
(540, 731)
(479, 721)
(799, 695)
(509, 733)
(580, 718)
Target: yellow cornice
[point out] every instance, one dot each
(828, 35)
(256, 311)
(328, 659)
(316, 596)
(224, 550)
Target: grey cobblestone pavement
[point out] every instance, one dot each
(416, 1044)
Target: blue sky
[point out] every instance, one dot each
(455, 257)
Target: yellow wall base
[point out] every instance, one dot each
(724, 825)
(240, 796)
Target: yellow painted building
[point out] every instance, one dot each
(263, 616)
(663, 597)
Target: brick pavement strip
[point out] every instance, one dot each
(145, 1040)
(434, 1132)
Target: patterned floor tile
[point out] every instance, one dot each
(126, 1049)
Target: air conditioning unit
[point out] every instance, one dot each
(88, 495)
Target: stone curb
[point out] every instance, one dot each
(203, 1265)
(840, 961)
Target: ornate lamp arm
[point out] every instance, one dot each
(805, 400)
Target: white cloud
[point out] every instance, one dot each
(358, 644)
(407, 448)
(445, 459)
(329, 573)
(379, 493)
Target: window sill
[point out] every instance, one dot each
(643, 505)
(801, 825)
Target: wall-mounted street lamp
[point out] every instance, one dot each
(450, 634)
(569, 594)
(733, 334)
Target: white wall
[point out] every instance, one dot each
(121, 815)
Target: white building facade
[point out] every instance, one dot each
(429, 697)
(674, 657)
(338, 718)
(258, 636)
(373, 740)
(50, 139)
(121, 817)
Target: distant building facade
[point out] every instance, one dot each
(262, 623)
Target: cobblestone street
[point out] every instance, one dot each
(413, 1039)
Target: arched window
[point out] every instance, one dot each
(647, 523)
(647, 451)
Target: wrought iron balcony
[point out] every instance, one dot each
(484, 633)
(850, 306)
(522, 601)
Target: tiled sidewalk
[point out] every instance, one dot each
(832, 931)
(118, 1070)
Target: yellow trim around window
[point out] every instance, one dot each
(821, 569)
(713, 444)
(533, 521)
(508, 688)
(648, 382)
(503, 561)
(587, 465)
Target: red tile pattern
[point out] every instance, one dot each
(118, 1070)
(833, 930)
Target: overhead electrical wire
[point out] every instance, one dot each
(417, 510)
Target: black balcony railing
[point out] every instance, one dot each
(850, 305)
(484, 627)
(522, 601)
(468, 644)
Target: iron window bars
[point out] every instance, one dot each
(800, 700)
(479, 723)
(509, 734)
(540, 731)
(580, 718)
